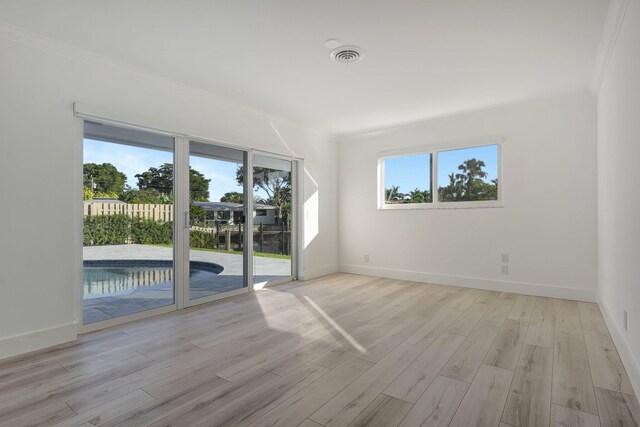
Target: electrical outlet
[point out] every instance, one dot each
(504, 269)
(624, 319)
(366, 258)
(504, 258)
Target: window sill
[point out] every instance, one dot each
(442, 205)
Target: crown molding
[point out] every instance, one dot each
(612, 25)
(35, 40)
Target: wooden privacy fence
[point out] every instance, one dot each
(156, 212)
(269, 238)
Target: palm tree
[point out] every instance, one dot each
(393, 194)
(419, 196)
(471, 175)
(451, 192)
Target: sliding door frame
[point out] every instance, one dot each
(247, 265)
(84, 113)
(296, 165)
(177, 279)
(181, 221)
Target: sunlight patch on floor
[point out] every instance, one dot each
(303, 319)
(337, 327)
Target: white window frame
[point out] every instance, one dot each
(433, 150)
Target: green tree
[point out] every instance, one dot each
(232, 197)
(161, 180)
(198, 186)
(469, 184)
(198, 214)
(87, 194)
(471, 177)
(145, 196)
(103, 178)
(393, 195)
(418, 196)
(276, 184)
(451, 192)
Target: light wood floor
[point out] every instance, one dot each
(336, 351)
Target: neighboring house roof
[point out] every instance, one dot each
(219, 206)
(104, 200)
(263, 206)
(228, 206)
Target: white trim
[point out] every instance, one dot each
(78, 217)
(612, 25)
(247, 253)
(525, 288)
(286, 157)
(382, 190)
(457, 144)
(84, 329)
(36, 340)
(319, 272)
(300, 215)
(295, 212)
(122, 119)
(262, 285)
(631, 364)
(181, 235)
(435, 191)
(479, 204)
(215, 297)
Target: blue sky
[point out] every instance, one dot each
(409, 172)
(133, 160)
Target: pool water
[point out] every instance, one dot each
(120, 277)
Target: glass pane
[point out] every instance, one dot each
(468, 174)
(128, 222)
(407, 179)
(272, 218)
(216, 235)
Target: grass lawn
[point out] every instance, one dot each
(260, 254)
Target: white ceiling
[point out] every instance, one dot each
(424, 58)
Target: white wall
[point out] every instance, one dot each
(39, 81)
(547, 224)
(619, 192)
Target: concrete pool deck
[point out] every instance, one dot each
(145, 298)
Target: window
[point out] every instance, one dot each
(407, 179)
(447, 176)
(261, 212)
(468, 174)
(223, 215)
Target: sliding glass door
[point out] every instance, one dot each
(217, 223)
(128, 188)
(273, 219)
(169, 223)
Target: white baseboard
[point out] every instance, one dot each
(36, 340)
(318, 272)
(474, 282)
(628, 359)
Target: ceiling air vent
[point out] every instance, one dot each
(347, 54)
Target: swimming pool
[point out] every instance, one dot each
(120, 277)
